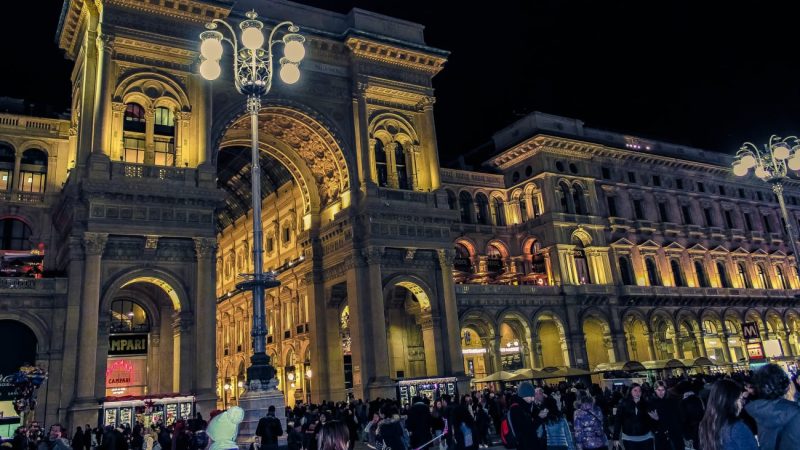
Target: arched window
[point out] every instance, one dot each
(494, 259)
(463, 260)
(537, 208)
(483, 209)
(400, 167)
(164, 137)
(380, 164)
(781, 279)
(133, 127)
(566, 204)
(762, 277)
(451, 199)
(127, 317)
(7, 157)
(581, 265)
(702, 279)
(465, 206)
(499, 212)
(15, 235)
(745, 279)
(578, 200)
(33, 171)
(652, 272)
(523, 209)
(723, 275)
(677, 273)
(625, 271)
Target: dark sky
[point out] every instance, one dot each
(709, 78)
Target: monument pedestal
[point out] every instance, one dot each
(255, 403)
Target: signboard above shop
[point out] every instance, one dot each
(127, 344)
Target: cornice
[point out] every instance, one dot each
(197, 11)
(389, 54)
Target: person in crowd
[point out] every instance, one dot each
(482, 422)
(589, 427)
(55, 439)
(667, 430)
(691, 413)
(633, 423)
(390, 429)
(164, 438)
(269, 429)
(521, 421)
(777, 419)
(721, 428)
(77, 439)
(559, 436)
(464, 428)
(333, 435)
(87, 438)
(20, 441)
(113, 439)
(418, 423)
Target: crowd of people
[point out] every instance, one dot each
(705, 412)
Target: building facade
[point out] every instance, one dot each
(130, 224)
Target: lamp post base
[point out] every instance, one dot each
(255, 404)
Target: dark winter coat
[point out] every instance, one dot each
(778, 423)
(632, 418)
(692, 412)
(418, 424)
(520, 414)
(390, 431)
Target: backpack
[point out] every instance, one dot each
(507, 434)
(199, 440)
(467, 433)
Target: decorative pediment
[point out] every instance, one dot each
(740, 252)
(674, 248)
(760, 253)
(697, 248)
(622, 243)
(720, 250)
(649, 245)
(779, 254)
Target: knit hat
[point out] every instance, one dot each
(525, 389)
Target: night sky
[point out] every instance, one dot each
(700, 77)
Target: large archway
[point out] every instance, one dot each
(597, 333)
(410, 331)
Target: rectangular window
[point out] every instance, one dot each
(767, 225)
(637, 209)
(612, 206)
(270, 245)
(701, 187)
(606, 173)
(707, 215)
(656, 180)
(759, 196)
(5, 179)
(748, 224)
(164, 153)
(728, 218)
(679, 183)
(687, 218)
(134, 150)
(741, 193)
(722, 190)
(32, 182)
(632, 177)
(662, 212)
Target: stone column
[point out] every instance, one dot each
(725, 347)
(16, 177)
(452, 336)
(651, 345)
(599, 265)
(678, 347)
(181, 127)
(374, 342)
(183, 355)
(88, 88)
(116, 150)
(153, 363)
(701, 344)
(498, 360)
(93, 244)
(391, 165)
(576, 348)
(432, 152)
(783, 337)
(365, 154)
(619, 344)
(427, 326)
(413, 166)
(149, 140)
(102, 128)
(206, 313)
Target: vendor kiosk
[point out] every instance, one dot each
(149, 410)
(431, 388)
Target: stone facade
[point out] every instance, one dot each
(391, 267)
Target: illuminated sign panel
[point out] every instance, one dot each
(127, 344)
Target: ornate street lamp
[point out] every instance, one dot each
(252, 70)
(772, 163)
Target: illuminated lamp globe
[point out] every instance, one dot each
(794, 162)
(293, 48)
(290, 73)
(210, 69)
(252, 38)
(290, 376)
(748, 161)
(211, 48)
(761, 172)
(780, 151)
(739, 170)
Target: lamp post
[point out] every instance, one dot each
(771, 163)
(252, 70)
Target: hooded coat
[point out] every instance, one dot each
(778, 423)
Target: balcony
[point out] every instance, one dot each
(32, 286)
(35, 125)
(178, 175)
(28, 198)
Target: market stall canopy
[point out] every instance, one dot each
(663, 364)
(700, 362)
(499, 376)
(628, 366)
(560, 372)
(527, 374)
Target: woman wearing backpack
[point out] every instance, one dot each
(589, 430)
(464, 429)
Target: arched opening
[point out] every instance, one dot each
(7, 157)
(551, 341)
(736, 343)
(494, 259)
(498, 210)
(597, 334)
(653, 276)
(381, 164)
(712, 340)
(723, 275)
(512, 345)
(164, 136)
(15, 235)
(664, 339)
(410, 332)
(687, 340)
(581, 264)
(638, 339)
(33, 171)
(462, 263)
(452, 202)
(744, 278)
(763, 279)
(537, 273)
(400, 167)
(465, 206)
(21, 353)
(700, 271)
(782, 283)
(626, 275)
(483, 208)
(578, 199)
(474, 352)
(133, 133)
(566, 200)
(523, 209)
(677, 273)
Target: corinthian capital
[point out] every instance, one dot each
(205, 247)
(105, 43)
(372, 255)
(94, 243)
(446, 257)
